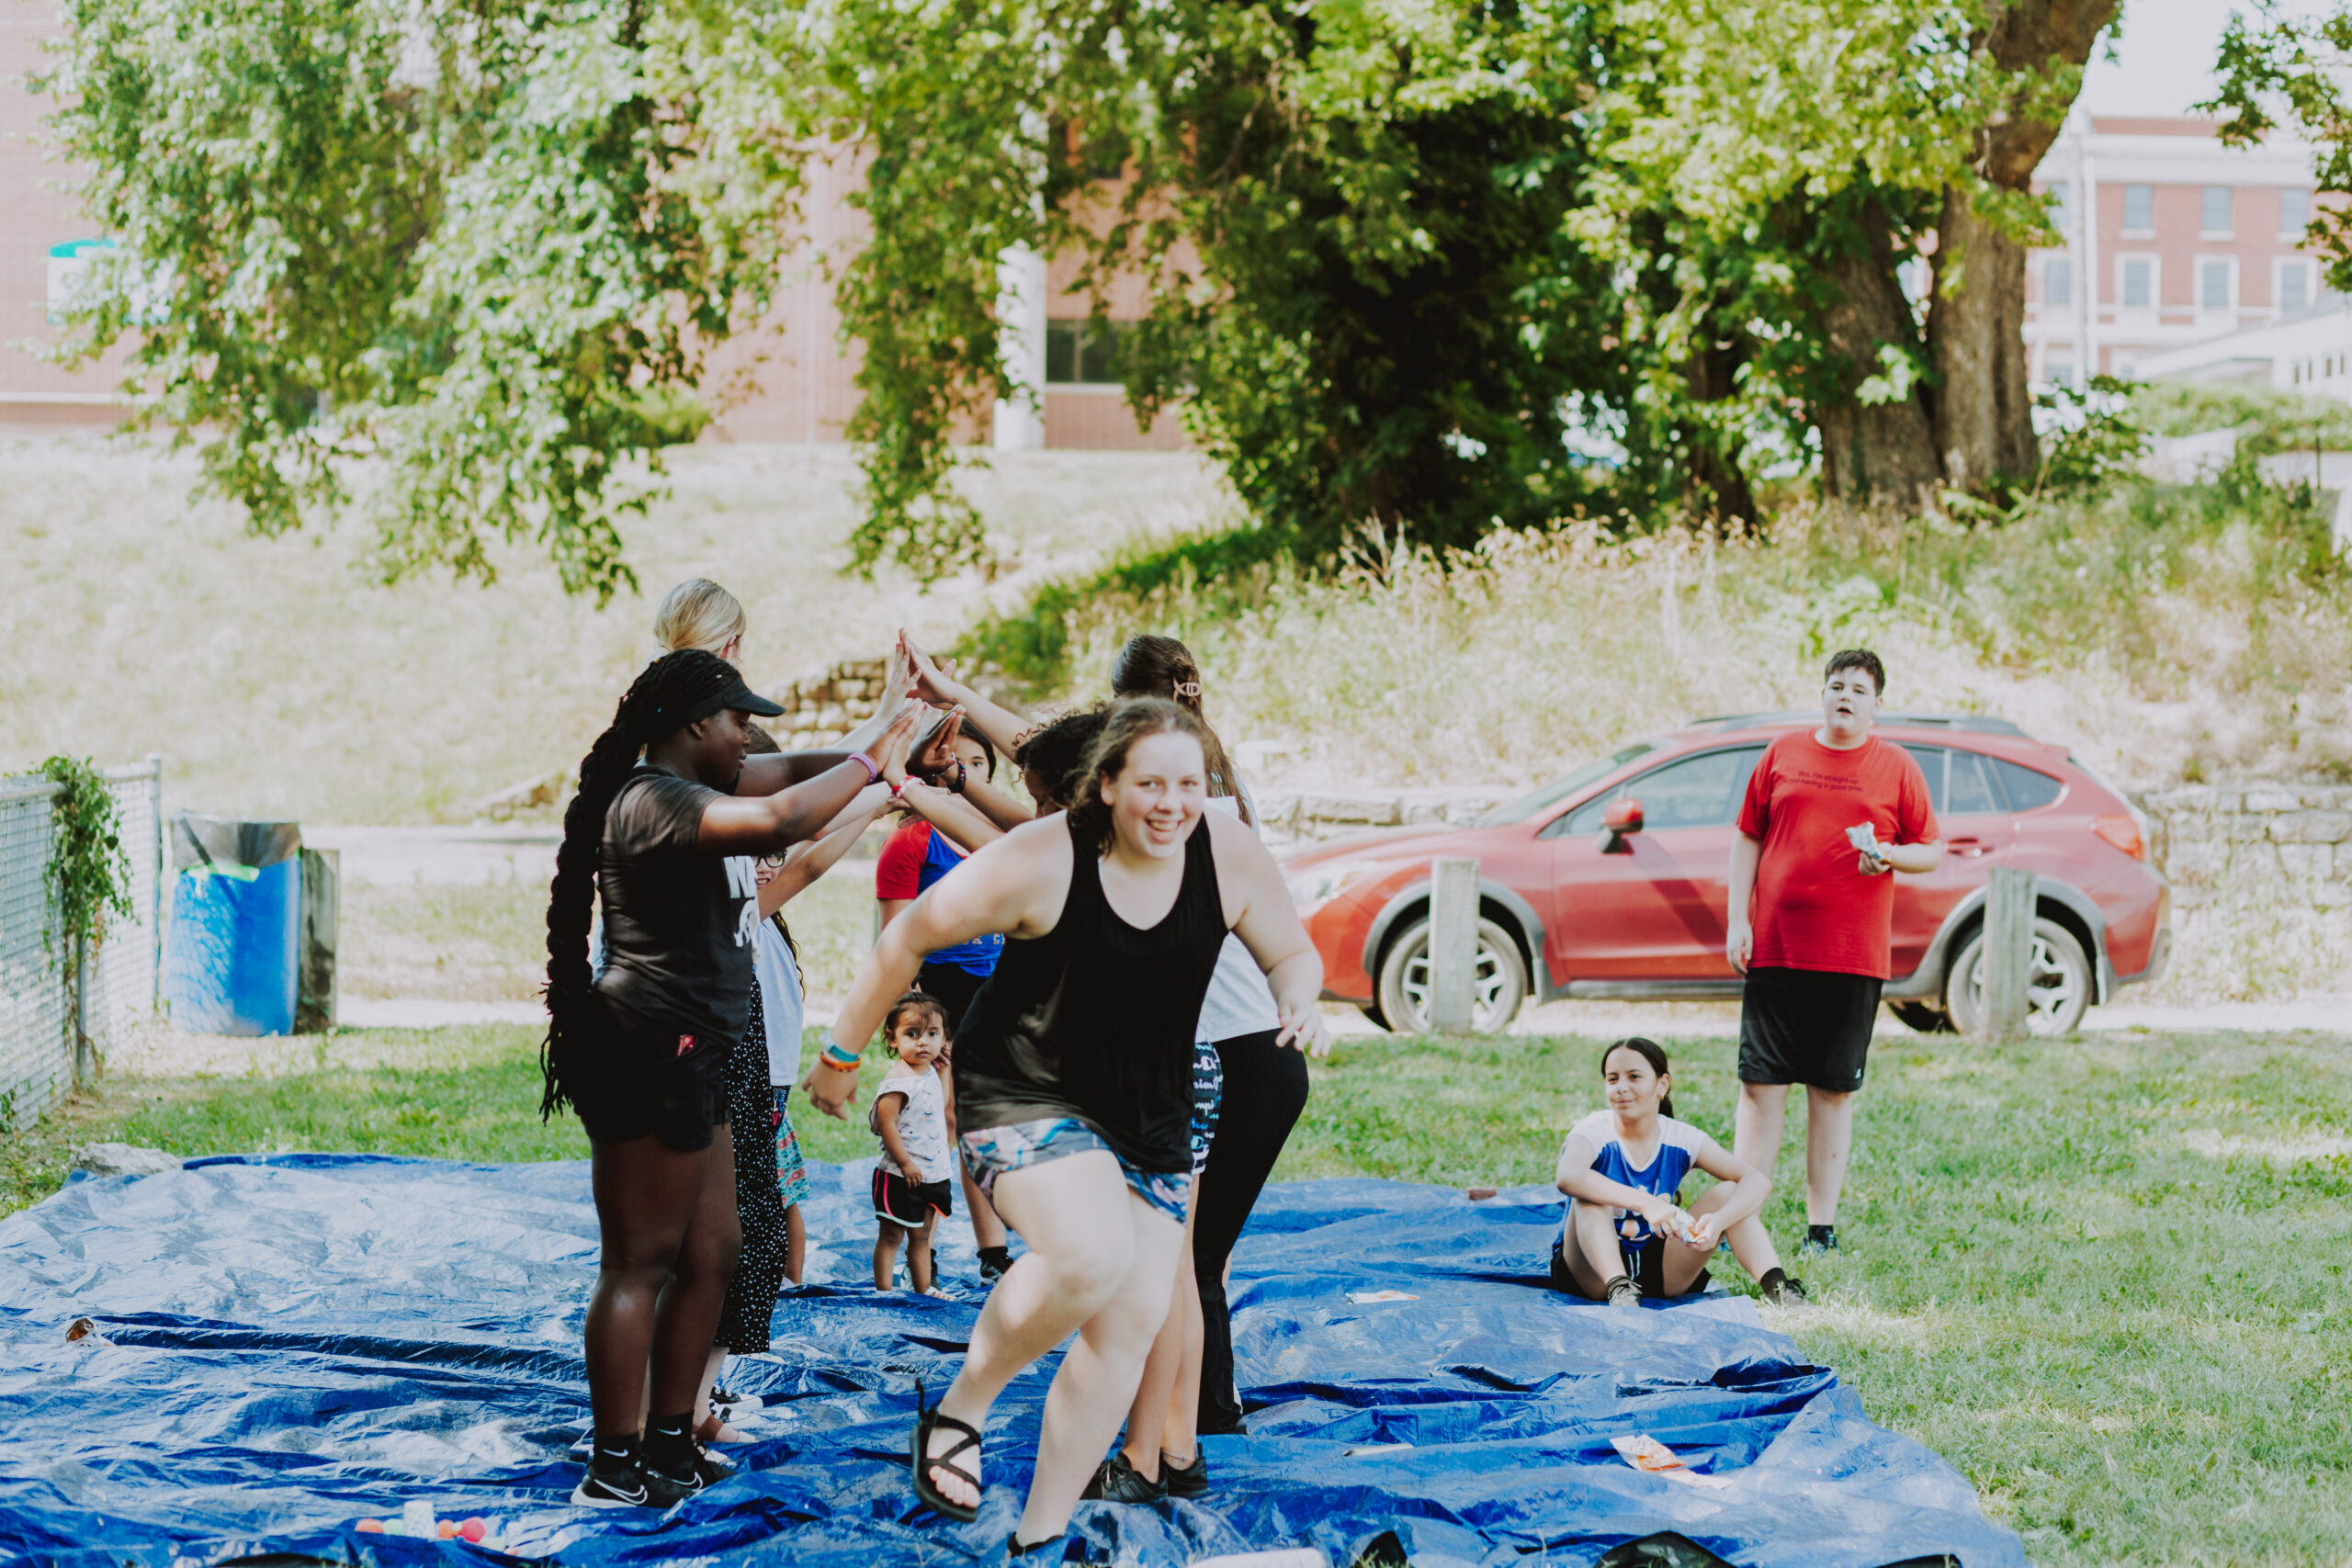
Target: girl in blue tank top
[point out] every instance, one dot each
(1626, 1234)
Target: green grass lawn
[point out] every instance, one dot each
(2104, 1278)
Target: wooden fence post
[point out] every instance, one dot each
(2007, 965)
(1453, 945)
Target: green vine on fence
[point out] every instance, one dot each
(89, 873)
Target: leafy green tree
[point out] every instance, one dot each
(463, 254)
(1440, 265)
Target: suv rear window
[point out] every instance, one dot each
(2028, 789)
(1962, 783)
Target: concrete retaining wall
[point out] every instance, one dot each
(2296, 838)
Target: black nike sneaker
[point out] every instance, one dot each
(675, 1478)
(614, 1482)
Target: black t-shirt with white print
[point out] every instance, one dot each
(678, 921)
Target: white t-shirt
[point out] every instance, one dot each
(921, 1120)
(780, 1006)
(1238, 1000)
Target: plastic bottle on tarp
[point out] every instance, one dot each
(232, 959)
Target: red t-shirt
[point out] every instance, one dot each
(1813, 907)
(898, 870)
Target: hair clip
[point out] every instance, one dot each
(1188, 688)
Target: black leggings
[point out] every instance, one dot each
(1265, 1089)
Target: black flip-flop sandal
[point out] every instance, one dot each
(927, 1419)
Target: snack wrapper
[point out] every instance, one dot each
(1864, 836)
(1645, 1453)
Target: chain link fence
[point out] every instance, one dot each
(39, 1057)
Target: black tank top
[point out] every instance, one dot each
(1094, 1019)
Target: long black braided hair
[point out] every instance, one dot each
(671, 693)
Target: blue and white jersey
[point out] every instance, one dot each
(1678, 1144)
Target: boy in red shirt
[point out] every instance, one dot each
(1811, 909)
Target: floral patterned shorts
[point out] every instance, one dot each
(989, 1152)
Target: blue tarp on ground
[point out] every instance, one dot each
(288, 1343)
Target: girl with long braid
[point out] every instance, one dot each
(666, 828)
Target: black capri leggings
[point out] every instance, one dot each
(1265, 1089)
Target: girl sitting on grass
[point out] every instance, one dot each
(1626, 1235)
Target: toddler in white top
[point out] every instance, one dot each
(914, 1181)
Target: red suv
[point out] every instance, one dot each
(1611, 881)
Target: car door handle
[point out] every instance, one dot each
(1972, 848)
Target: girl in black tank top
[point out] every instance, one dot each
(1073, 1074)
(1094, 1021)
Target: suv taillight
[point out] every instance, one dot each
(2123, 833)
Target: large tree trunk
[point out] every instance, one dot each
(1883, 449)
(1975, 325)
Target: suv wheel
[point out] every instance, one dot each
(2056, 996)
(1496, 993)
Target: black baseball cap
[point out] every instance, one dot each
(737, 695)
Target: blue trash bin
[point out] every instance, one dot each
(232, 960)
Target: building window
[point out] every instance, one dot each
(2217, 209)
(2139, 290)
(1082, 351)
(2294, 285)
(2057, 282)
(2294, 212)
(2058, 373)
(2139, 209)
(2214, 283)
(2061, 211)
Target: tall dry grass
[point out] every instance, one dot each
(2162, 636)
(282, 677)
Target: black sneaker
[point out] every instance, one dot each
(994, 1261)
(1623, 1294)
(1782, 1291)
(614, 1483)
(675, 1482)
(1116, 1481)
(1819, 1241)
(1185, 1480)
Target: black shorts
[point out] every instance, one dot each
(1807, 1026)
(902, 1202)
(1646, 1264)
(629, 1083)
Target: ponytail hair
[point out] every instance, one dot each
(1155, 666)
(697, 614)
(1649, 1051)
(673, 691)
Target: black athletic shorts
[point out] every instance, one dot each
(1646, 1265)
(902, 1202)
(1807, 1026)
(627, 1083)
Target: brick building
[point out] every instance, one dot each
(2186, 241)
